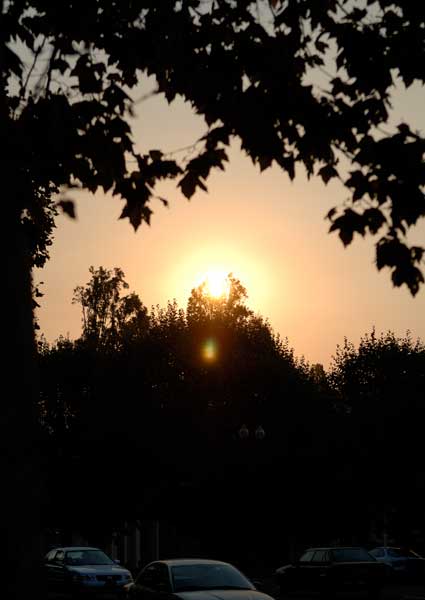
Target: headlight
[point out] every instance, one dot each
(80, 577)
(83, 577)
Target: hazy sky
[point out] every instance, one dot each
(268, 231)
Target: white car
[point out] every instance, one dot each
(79, 568)
(192, 579)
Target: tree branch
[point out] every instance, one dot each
(36, 55)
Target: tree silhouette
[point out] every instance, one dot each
(108, 317)
(181, 411)
(170, 395)
(380, 389)
(296, 83)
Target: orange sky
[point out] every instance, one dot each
(268, 231)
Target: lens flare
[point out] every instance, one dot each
(210, 350)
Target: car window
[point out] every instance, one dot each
(164, 579)
(400, 553)
(87, 557)
(150, 577)
(307, 556)
(208, 576)
(394, 553)
(59, 556)
(320, 556)
(351, 555)
(50, 556)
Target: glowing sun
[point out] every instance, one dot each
(216, 283)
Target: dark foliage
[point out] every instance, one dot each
(381, 397)
(296, 83)
(166, 406)
(341, 451)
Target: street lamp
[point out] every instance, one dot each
(244, 433)
(260, 434)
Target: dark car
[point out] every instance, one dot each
(328, 570)
(402, 563)
(193, 579)
(81, 568)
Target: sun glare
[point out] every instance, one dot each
(210, 265)
(217, 284)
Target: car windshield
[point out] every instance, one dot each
(351, 555)
(87, 557)
(400, 553)
(208, 577)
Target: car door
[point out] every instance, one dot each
(397, 559)
(153, 583)
(317, 570)
(56, 572)
(48, 568)
(378, 554)
(320, 569)
(301, 573)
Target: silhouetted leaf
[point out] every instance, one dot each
(134, 212)
(288, 164)
(265, 162)
(321, 46)
(68, 207)
(189, 183)
(60, 64)
(155, 154)
(347, 224)
(328, 172)
(331, 213)
(375, 219)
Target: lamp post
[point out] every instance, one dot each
(255, 408)
(251, 454)
(244, 433)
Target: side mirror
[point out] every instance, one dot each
(117, 561)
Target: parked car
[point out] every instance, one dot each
(328, 570)
(401, 561)
(193, 579)
(81, 568)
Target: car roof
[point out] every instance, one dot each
(390, 548)
(336, 548)
(177, 562)
(70, 548)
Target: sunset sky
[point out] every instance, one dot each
(268, 231)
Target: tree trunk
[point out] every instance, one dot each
(22, 484)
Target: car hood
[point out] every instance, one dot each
(99, 570)
(403, 558)
(357, 563)
(223, 595)
(284, 568)
(340, 564)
